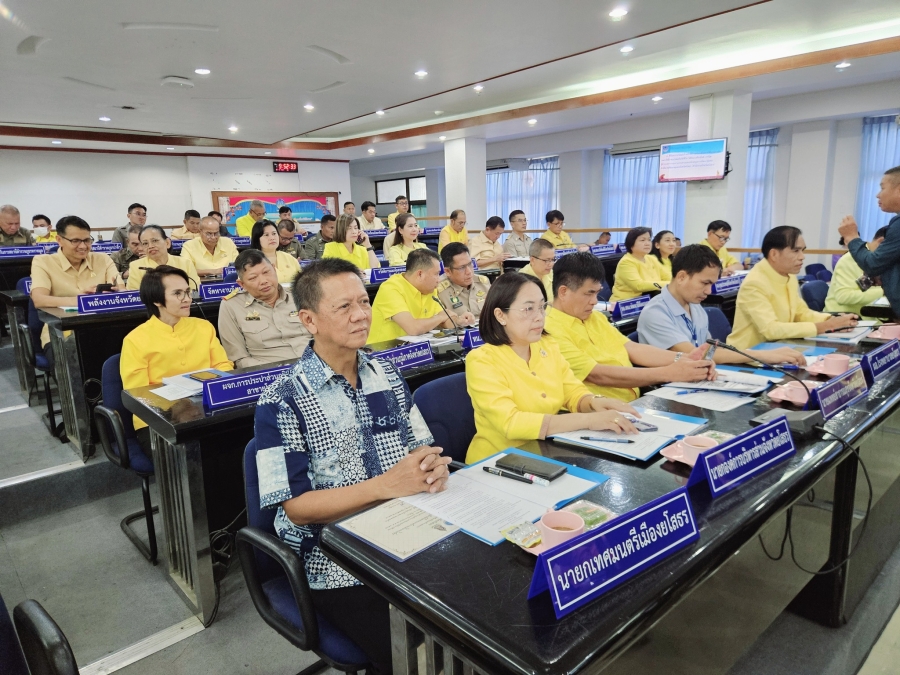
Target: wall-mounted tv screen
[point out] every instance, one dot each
(693, 160)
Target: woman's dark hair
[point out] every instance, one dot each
(71, 221)
(342, 226)
(400, 221)
(633, 235)
(157, 228)
(501, 295)
(257, 232)
(153, 290)
(658, 238)
(780, 238)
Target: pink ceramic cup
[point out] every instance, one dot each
(559, 526)
(795, 393)
(835, 364)
(692, 446)
(890, 332)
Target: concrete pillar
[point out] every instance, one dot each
(580, 184)
(722, 115)
(810, 183)
(435, 194)
(465, 175)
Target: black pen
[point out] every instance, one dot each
(507, 474)
(606, 440)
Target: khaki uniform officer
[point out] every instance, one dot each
(11, 231)
(259, 323)
(461, 290)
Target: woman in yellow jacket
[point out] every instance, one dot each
(264, 237)
(636, 273)
(519, 381)
(663, 244)
(406, 238)
(171, 342)
(350, 243)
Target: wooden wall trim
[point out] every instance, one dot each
(274, 158)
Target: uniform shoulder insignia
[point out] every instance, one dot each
(443, 285)
(232, 294)
(483, 279)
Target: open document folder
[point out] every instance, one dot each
(483, 504)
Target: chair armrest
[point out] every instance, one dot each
(107, 419)
(44, 644)
(26, 343)
(250, 538)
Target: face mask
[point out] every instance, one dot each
(40, 231)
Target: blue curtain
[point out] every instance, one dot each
(760, 189)
(880, 152)
(634, 197)
(535, 192)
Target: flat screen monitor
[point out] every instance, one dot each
(693, 160)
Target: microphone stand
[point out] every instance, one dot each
(765, 366)
(459, 331)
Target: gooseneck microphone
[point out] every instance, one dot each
(765, 366)
(459, 331)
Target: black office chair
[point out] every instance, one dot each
(719, 328)
(447, 409)
(12, 660)
(276, 580)
(46, 649)
(824, 275)
(814, 294)
(814, 268)
(116, 430)
(605, 291)
(633, 336)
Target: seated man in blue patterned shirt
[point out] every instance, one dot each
(336, 434)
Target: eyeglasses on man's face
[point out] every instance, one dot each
(547, 261)
(211, 235)
(463, 268)
(78, 242)
(723, 239)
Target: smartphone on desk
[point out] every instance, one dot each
(104, 288)
(204, 376)
(523, 465)
(640, 425)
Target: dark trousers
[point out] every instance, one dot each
(48, 352)
(363, 616)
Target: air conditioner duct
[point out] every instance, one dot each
(650, 145)
(512, 164)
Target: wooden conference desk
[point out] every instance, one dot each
(466, 601)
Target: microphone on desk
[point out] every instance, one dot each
(459, 331)
(718, 344)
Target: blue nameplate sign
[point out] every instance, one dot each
(241, 241)
(727, 284)
(21, 251)
(839, 392)
(382, 232)
(560, 252)
(408, 356)
(625, 309)
(304, 263)
(27, 281)
(224, 392)
(216, 291)
(431, 230)
(109, 302)
(472, 339)
(881, 361)
(587, 566)
(228, 270)
(620, 248)
(381, 274)
(106, 247)
(178, 244)
(743, 457)
(50, 247)
(605, 249)
(299, 237)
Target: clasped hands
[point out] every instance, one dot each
(422, 470)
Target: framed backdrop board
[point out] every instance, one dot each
(305, 206)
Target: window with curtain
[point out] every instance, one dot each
(760, 190)
(634, 197)
(534, 191)
(880, 152)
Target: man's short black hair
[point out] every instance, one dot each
(71, 221)
(780, 238)
(893, 172)
(501, 295)
(538, 246)
(249, 257)
(41, 216)
(152, 289)
(286, 224)
(455, 213)
(284, 209)
(259, 227)
(574, 269)
(633, 235)
(880, 233)
(327, 218)
(517, 212)
(136, 206)
(400, 198)
(345, 204)
(214, 213)
(693, 259)
(421, 259)
(307, 286)
(554, 215)
(450, 251)
(191, 213)
(365, 206)
(717, 225)
(494, 222)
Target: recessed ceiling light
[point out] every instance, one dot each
(56, 142)
(442, 138)
(843, 64)
(170, 148)
(232, 128)
(627, 49)
(379, 112)
(371, 151)
(104, 119)
(656, 99)
(421, 73)
(618, 13)
(202, 71)
(478, 88)
(267, 152)
(532, 122)
(309, 107)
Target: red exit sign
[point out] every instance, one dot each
(284, 167)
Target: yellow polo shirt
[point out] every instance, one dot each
(359, 257)
(664, 266)
(222, 256)
(286, 266)
(448, 235)
(49, 238)
(184, 234)
(561, 240)
(512, 398)
(392, 220)
(724, 256)
(397, 255)
(547, 281)
(635, 277)
(769, 308)
(843, 293)
(244, 225)
(136, 274)
(155, 350)
(586, 344)
(482, 248)
(395, 296)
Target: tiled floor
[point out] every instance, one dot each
(884, 659)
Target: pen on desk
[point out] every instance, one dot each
(789, 366)
(688, 391)
(507, 474)
(606, 440)
(456, 465)
(537, 480)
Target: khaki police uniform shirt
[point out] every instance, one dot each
(459, 299)
(314, 247)
(21, 238)
(517, 246)
(254, 333)
(123, 258)
(295, 249)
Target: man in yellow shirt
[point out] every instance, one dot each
(844, 294)
(554, 234)
(718, 232)
(485, 247)
(244, 224)
(402, 204)
(42, 230)
(211, 252)
(455, 231)
(769, 307)
(406, 305)
(190, 228)
(368, 220)
(598, 353)
(543, 258)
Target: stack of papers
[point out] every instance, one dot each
(847, 337)
(708, 400)
(177, 387)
